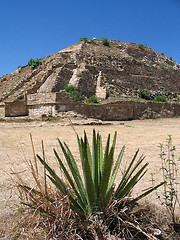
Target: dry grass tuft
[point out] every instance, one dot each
(136, 222)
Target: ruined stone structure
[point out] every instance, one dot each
(94, 69)
(101, 92)
(121, 110)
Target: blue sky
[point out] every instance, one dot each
(38, 28)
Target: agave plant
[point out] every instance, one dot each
(95, 190)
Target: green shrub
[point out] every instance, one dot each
(69, 88)
(141, 46)
(169, 169)
(94, 190)
(84, 39)
(150, 63)
(19, 66)
(92, 99)
(145, 95)
(105, 42)
(170, 58)
(75, 95)
(11, 93)
(170, 68)
(34, 63)
(111, 90)
(160, 98)
(162, 65)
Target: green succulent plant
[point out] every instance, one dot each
(95, 190)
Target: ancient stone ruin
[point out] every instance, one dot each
(115, 74)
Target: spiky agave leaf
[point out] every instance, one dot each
(116, 168)
(77, 206)
(78, 187)
(97, 189)
(128, 173)
(87, 173)
(107, 166)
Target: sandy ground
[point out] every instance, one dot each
(15, 147)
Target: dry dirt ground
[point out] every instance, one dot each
(15, 147)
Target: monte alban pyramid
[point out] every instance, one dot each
(113, 72)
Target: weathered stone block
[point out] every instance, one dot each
(15, 109)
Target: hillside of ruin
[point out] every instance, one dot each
(114, 72)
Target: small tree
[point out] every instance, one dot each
(34, 63)
(105, 42)
(69, 88)
(141, 46)
(84, 39)
(160, 98)
(92, 99)
(75, 95)
(145, 95)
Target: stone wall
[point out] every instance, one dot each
(2, 111)
(40, 110)
(123, 110)
(15, 109)
(111, 111)
(41, 104)
(41, 98)
(154, 110)
(51, 104)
